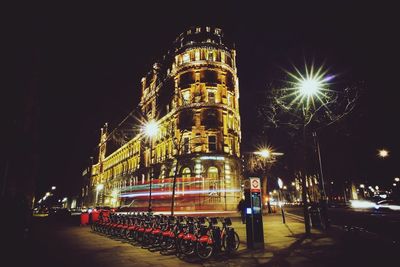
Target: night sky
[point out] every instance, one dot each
(85, 63)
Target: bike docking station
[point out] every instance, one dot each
(254, 223)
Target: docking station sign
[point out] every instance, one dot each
(255, 184)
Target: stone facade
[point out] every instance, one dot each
(193, 96)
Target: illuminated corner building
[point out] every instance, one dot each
(193, 95)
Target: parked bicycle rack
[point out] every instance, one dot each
(183, 236)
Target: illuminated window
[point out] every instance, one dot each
(222, 57)
(186, 97)
(211, 96)
(198, 29)
(186, 173)
(212, 143)
(229, 100)
(208, 29)
(186, 145)
(197, 55)
(213, 172)
(198, 168)
(217, 31)
(186, 58)
(230, 121)
(210, 56)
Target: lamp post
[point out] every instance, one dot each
(150, 129)
(268, 155)
(280, 184)
(308, 90)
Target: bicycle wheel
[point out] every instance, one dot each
(187, 247)
(204, 250)
(168, 243)
(231, 242)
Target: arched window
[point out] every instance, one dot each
(213, 172)
(186, 173)
(213, 181)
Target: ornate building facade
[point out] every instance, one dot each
(193, 96)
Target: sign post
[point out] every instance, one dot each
(254, 224)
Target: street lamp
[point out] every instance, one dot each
(150, 129)
(269, 156)
(397, 179)
(309, 90)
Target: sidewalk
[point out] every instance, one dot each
(66, 245)
(286, 245)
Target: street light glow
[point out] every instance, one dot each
(280, 183)
(397, 179)
(265, 153)
(150, 128)
(383, 153)
(268, 152)
(310, 87)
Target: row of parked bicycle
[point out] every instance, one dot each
(180, 235)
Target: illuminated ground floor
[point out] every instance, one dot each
(203, 182)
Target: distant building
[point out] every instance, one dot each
(193, 95)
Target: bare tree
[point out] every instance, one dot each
(279, 110)
(286, 109)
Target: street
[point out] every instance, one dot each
(381, 225)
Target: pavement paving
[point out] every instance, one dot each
(66, 244)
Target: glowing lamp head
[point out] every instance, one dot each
(265, 153)
(397, 179)
(309, 87)
(280, 183)
(150, 128)
(383, 153)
